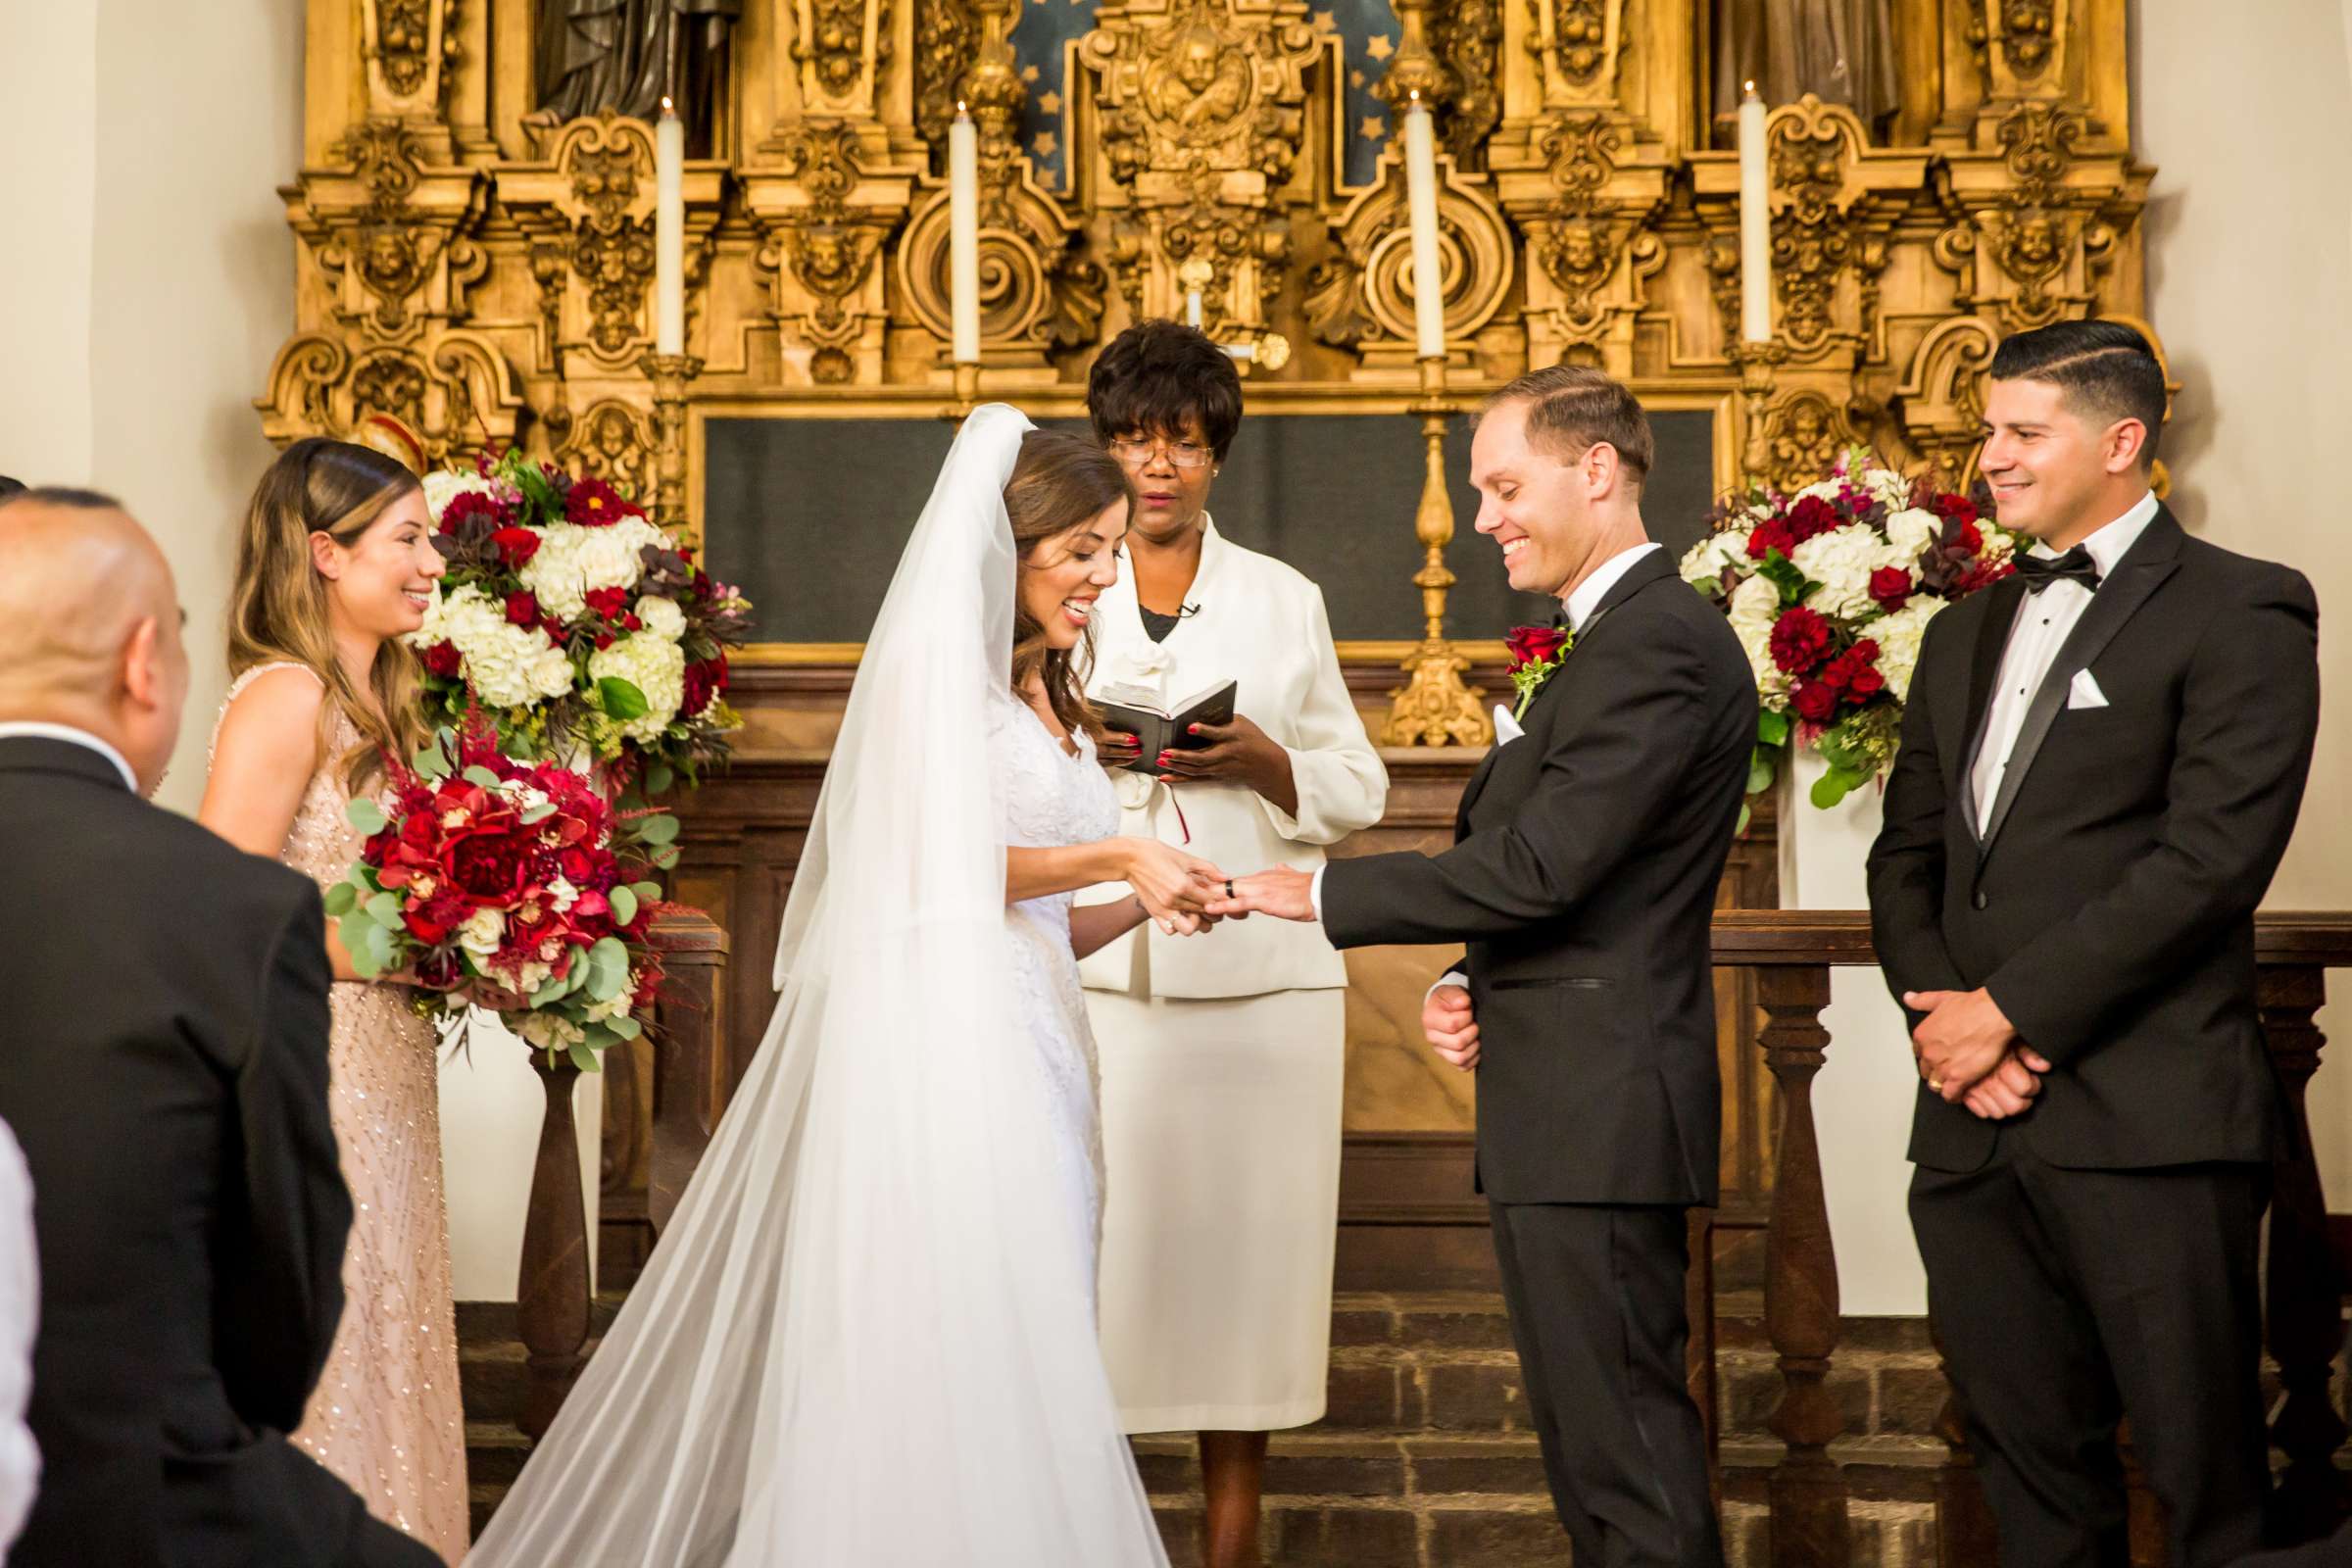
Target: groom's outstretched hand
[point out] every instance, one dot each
(1280, 892)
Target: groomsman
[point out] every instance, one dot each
(2100, 768)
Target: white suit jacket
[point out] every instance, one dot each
(1262, 624)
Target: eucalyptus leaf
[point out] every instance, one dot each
(377, 940)
(1772, 730)
(539, 814)
(584, 1058)
(365, 814)
(624, 906)
(668, 858)
(352, 929)
(620, 699)
(343, 898)
(627, 1028)
(658, 778)
(647, 892)
(657, 829)
(478, 774)
(384, 910)
(1759, 774)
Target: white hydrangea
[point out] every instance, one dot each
(1909, 532)
(1898, 637)
(1725, 550)
(618, 1006)
(661, 617)
(1755, 608)
(1842, 562)
(504, 664)
(442, 486)
(573, 561)
(545, 1030)
(656, 666)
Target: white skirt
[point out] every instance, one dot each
(1221, 1142)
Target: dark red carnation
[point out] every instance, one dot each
(705, 679)
(467, 505)
(1953, 509)
(1890, 587)
(594, 504)
(442, 659)
(1529, 645)
(609, 603)
(1773, 534)
(522, 609)
(515, 545)
(1814, 700)
(1800, 640)
(1812, 515)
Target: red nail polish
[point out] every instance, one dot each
(1191, 729)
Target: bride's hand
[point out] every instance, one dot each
(1169, 881)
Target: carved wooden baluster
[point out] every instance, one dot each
(1807, 1491)
(690, 1073)
(1964, 1528)
(551, 1298)
(2306, 1294)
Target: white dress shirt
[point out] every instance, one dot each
(31, 729)
(19, 1319)
(2044, 620)
(1582, 599)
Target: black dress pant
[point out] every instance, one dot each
(1596, 1304)
(2069, 1299)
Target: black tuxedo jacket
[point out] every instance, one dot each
(1582, 875)
(2108, 910)
(164, 1067)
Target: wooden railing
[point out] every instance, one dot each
(1792, 952)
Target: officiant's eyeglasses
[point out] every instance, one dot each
(1182, 454)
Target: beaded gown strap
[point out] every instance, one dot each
(236, 689)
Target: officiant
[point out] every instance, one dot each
(1221, 1056)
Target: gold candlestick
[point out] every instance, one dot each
(966, 395)
(1435, 706)
(1758, 364)
(669, 374)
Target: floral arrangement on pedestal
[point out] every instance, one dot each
(1830, 591)
(575, 628)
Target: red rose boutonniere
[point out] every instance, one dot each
(1536, 652)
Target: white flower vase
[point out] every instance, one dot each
(1864, 1096)
(491, 1106)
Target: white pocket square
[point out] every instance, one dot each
(2084, 691)
(1506, 728)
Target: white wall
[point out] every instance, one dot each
(146, 281)
(2246, 110)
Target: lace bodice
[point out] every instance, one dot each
(1046, 797)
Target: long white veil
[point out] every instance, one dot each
(867, 1339)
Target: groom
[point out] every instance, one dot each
(1583, 878)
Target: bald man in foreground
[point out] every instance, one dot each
(163, 1061)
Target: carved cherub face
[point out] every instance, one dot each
(1806, 426)
(610, 435)
(1197, 60)
(2036, 241)
(824, 254)
(386, 257)
(1580, 248)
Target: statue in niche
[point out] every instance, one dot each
(623, 55)
(1841, 51)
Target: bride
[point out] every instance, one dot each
(867, 1339)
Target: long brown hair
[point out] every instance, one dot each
(279, 614)
(1059, 482)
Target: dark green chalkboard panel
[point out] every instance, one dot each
(809, 516)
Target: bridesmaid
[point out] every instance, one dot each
(1222, 1060)
(336, 561)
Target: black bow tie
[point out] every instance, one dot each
(2075, 565)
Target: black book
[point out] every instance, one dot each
(1131, 709)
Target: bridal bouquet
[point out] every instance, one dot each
(573, 627)
(1830, 591)
(516, 876)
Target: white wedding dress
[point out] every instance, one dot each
(867, 1339)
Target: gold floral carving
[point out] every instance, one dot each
(457, 396)
(1359, 296)
(842, 46)
(395, 257)
(1203, 114)
(1582, 239)
(828, 248)
(1576, 45)
(1805, 435)
(945, 31)
(2047, 242)
(611, 440)
(1467, 36)
(409, 45)
(1940, 399)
